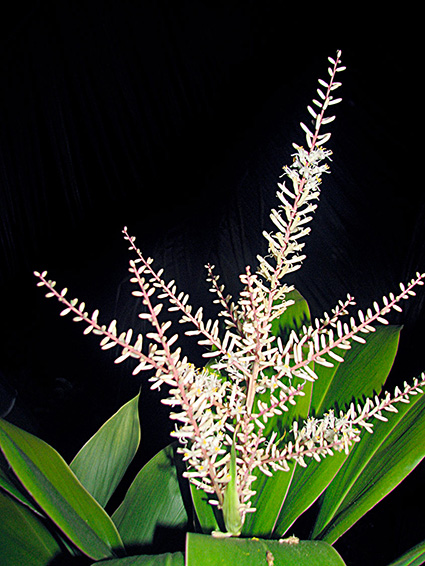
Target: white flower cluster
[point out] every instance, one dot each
(252, 375)
(305, 175)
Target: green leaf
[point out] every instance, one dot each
(270, 494)
(168, 559)
(103, 460)
(306, 487)
(204, 511)
(53, 486)
(294, 318)
(363, 372)
(374, 467)
(413, 557)
(153, 500)
(24, 539)
(203, 550)
(10, 485)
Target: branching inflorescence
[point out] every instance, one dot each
(221, 410)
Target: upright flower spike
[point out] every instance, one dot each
(221, 411)
(297, 201)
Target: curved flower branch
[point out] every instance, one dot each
(221, 411)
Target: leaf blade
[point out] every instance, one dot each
(363, 372)
(306, 487)
(103, 460)
(210, 551)
(413, 557)
(24, 539)
(9, 484)
(140, 514)
(375, 466)
(48, 479)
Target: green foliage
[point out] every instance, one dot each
(153, 501)
(49, 508)
(210, 551)
(414, 557)
(58, 493)
(24, 538)
(374, 467)
(11, 485)
(282, 419)
(352, 375)
(361, 375)
(102, 462)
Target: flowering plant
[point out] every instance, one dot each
(284, 409)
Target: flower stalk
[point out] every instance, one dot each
(221, 411)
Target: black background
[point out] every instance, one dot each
(175, 118)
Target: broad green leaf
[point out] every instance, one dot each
(203, 550)
(153, 500)
(10, 484)
(169, 559)
(204, 511)
(374, 467)
(103, 460)
(270, 495)
(271, 491)
(413, 557)
(53, 486)
(24, 539)
(294, 318)
(306, 487)
(363, 372)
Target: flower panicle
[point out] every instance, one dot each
(207, 331)
(222, 412)
(321, 341)
(131, 346)
(297, 201)
(229, 311)
(319, 437)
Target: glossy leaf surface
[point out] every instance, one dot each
(204, 511)
(24, 539)
(51, 483)
(413, 557)
(204, 550)
(153, 501)
(104, 459)
(364, 371)
(271, 493)
(375, 466)
(10, 485)
(306, 486)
